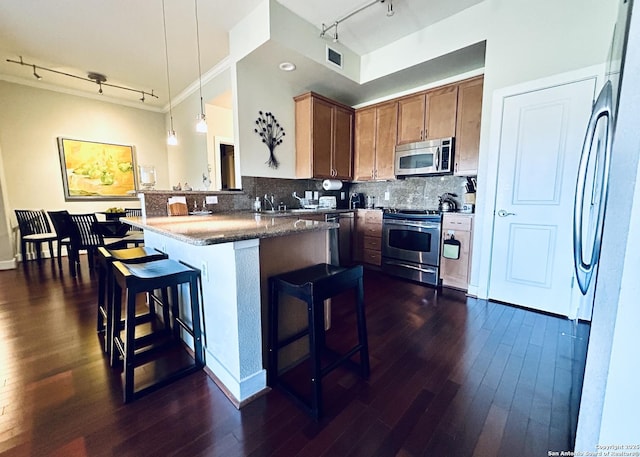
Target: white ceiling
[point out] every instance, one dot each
(124, 39)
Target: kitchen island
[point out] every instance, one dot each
(236, 254)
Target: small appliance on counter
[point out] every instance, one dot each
(371, 201)
(447, 203)
(467, 208)
(356, 200)
(327, 202)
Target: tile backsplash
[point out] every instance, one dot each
(414, 192)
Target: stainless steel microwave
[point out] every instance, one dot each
(424, 158)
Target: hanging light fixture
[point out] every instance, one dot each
(201, 126)
(172, 139)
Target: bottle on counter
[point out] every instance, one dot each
(257, 205)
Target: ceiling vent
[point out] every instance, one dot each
(334, 57)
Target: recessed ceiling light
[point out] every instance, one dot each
(287, 66)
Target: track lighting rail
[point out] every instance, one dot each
(334, 25)
(96, 78)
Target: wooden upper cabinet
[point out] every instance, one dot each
(467, 145)
(365, 144)
(428, 115)
(411, 117)
(321, 138)
(342, 134)
(386, 133)
(375, 142)
(441, 113)
(324, 138)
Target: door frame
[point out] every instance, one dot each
(483, 233)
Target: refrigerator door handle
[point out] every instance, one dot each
(602, 109)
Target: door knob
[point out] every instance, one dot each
(503, 213)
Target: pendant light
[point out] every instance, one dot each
(201, 126)
(172, 139)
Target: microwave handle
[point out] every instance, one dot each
(438, 158)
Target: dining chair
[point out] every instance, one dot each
(34, 229)
(85, 235)
(133, 212)
(62, 226)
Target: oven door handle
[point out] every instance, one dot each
(411, 267)
(425, 225)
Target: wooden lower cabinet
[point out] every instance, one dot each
(456, 272)
(368, 237)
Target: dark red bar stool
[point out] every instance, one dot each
(104, 260)
(165, 275)
(313, 285)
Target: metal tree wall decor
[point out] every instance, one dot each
(271, 133)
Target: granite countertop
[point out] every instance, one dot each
(300, 213)
(226, 227)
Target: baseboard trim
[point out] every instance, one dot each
(8, 264)
(227, 393)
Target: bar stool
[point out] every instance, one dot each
(148, 277)
(105, 258)
(313, 285)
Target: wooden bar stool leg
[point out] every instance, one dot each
(102, 287)
(116, 317)
(362, 330)
(195, 320)
(316, 319)
(272, 371)
(175, 311)
(130, 332)
(108, 343)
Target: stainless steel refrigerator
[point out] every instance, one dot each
(607, 247)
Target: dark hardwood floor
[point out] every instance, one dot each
(450, 376)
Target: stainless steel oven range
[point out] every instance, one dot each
(411, 244)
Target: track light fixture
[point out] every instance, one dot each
(201, 126)
(172, 139)
(334, 26)
(97, 78)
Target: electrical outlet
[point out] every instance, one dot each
(386, 195)
(342, 196)
(204, 271)
(211, 199)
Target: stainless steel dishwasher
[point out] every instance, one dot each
(340, 242)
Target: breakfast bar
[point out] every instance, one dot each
(236, 253)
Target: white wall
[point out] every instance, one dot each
(261, 89)
(188, 160)
(30, 121)
(220, 122)
(526, 42)
(6, 248)
(456, 32)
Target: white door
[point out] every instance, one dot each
(540, 144)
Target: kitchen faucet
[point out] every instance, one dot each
(266, 198)
(300, 200)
